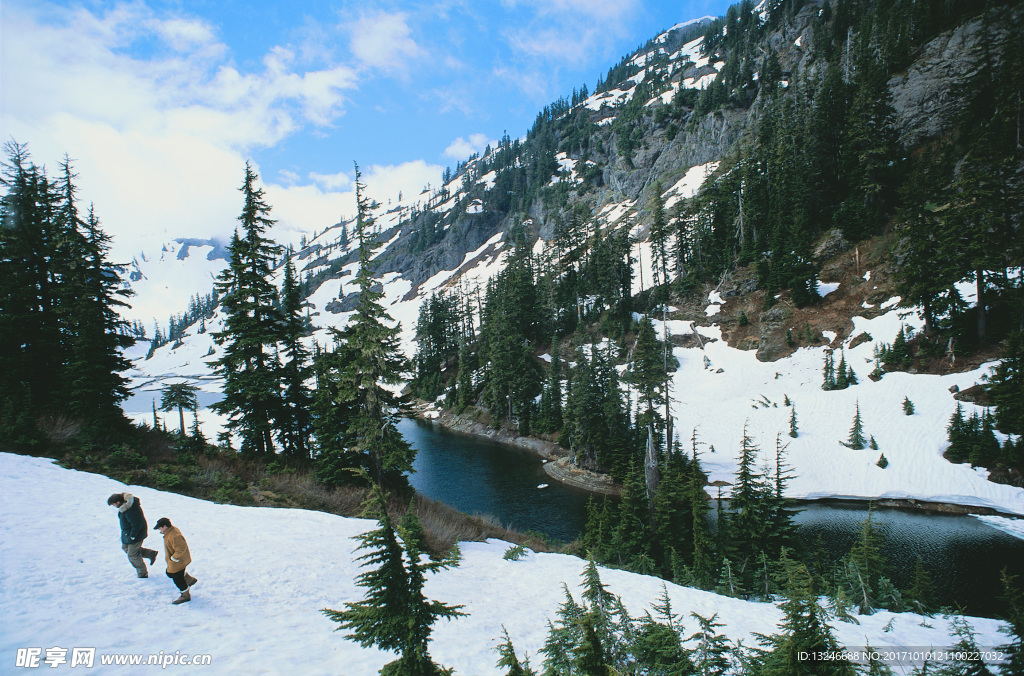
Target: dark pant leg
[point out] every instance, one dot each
(134, 552)
(179, 579)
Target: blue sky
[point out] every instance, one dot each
(160, 104)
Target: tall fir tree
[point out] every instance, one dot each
(61, 334)
(395, 615)
(373, 361)
(294, 419)
(252, 320)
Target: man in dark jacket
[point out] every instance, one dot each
(133, 530)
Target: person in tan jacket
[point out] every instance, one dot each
(178, 557)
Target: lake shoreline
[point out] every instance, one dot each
(557, 467)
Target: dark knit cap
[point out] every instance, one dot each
(161, 522)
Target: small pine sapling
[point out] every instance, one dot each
(789, 338)
(908, 406)
(873, 445)
(856, 440)
(829, 373)
(841, 379)
(882, 461)
(792, 424)
(507, 657)
(786, 401)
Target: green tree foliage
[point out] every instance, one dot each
(1006, 387)
(181, 396)
(438, 333)
(804, 632)
(648, 372)
(61, 334)
(972, 439)
(856, 439)
(509, 333)
(395, 615)
(908, 406)
(368, 359)
(252, 320)
(1014, 599)
(294, 418)
(507, 658)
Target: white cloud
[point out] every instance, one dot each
(301, 209)
(382, 41)
(568, 31)
(337, 181)
(184, 34)
(159, 141)
(385, 182)
(460, 148)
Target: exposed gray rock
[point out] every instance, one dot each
(925, 97)
(831, 245)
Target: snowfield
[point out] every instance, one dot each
(265, 573)
(719, 389)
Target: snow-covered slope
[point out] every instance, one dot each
(164, 281)
(719, 389)
(264, 574)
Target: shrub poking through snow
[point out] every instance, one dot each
(792, 424)
(882, 461)
(873, 445)
(908, 406)
(514, 553)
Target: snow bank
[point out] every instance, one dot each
(264, 574)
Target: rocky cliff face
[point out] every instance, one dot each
(926, 98)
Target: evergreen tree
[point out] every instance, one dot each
(829, 374)
(248, 365)
(908, 406)
(966, 656)
(919, 595)
(864, 567)
(1014, 599)
(294, 418)
(61, 334)
(657, 646)
(793, 432)
(804, 632)
(373, 360)
(395, 615)
(711, 653)
(747, 504)
(507, 658)
(703, 546)
(179, 396)
(649, 373)
(856, 440)
(1006, 387)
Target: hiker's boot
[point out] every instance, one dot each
(189, 580)
(143, 576)
(151, 556)
(184, 598)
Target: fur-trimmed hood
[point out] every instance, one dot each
(129, 500)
